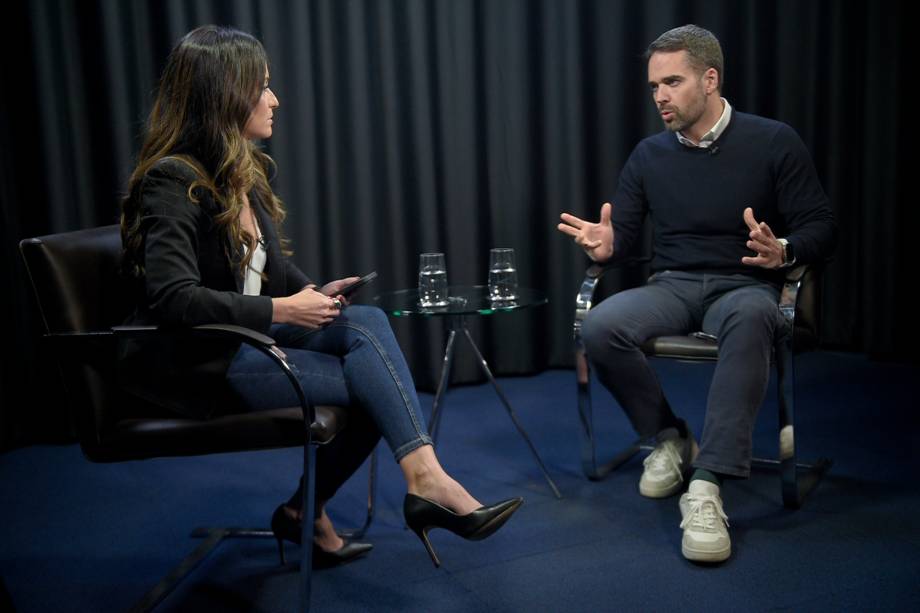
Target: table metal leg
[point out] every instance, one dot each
(485, 368)
(442, 384)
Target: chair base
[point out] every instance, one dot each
(212, 538)
(799, 478)
(596, 472)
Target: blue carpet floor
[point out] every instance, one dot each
(77, 536)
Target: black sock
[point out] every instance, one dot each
(682, 430)
(677, 424)
(707, 475)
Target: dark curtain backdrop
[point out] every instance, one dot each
(454, 126)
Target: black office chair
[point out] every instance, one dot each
(799, 305)
(82, 299)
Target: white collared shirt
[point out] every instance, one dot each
(252, 283)
(714, 132)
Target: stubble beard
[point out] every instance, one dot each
(684, 119)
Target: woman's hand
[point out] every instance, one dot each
(307, 308)
(333, 288)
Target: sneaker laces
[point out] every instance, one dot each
(703, 511)
(665, 457)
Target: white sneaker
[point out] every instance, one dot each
(666, 467)
(705, 524)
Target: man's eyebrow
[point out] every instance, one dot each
(670, 77)
(673, 77)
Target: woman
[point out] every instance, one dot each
(200, 235)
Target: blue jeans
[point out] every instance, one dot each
(353, 362)
(740, 310)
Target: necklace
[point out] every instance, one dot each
(260, 238)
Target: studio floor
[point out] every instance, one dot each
(78, 536)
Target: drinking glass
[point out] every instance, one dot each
(502, 275)
(432, 280)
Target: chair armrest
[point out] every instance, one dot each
(262, 342)
(218, 331)
(585, 297)
(789, 295)
(800, 304)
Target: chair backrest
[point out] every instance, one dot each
(76, 281)
(81, 295)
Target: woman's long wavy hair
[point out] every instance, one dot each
(212, 81)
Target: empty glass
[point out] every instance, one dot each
(502, 275)
(432, 280)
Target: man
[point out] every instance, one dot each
(732, 199)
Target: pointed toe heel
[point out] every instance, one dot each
(285, 528)
(422, 515)
(281, 552)
(349, 551)
(423, 536)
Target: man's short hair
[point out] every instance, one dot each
(702, 47)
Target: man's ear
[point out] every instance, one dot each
(711, 80)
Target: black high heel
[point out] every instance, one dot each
(286, 528)
(422, 515)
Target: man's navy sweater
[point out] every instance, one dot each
(696, 198)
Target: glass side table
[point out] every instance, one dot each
(466, 301)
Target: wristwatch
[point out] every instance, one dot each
(788, 252)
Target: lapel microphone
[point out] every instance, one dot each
(714, 150)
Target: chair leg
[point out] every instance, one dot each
(306, 535)
(371, 500)
(798, 479)
(589, 462)
(801, 482)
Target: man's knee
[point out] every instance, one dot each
(754, 315)
(602, 331)
(593, 333)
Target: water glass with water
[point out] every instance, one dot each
(432, 280)
(502, 275)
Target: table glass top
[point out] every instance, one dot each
(463, 299)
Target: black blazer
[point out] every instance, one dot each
(192, 276)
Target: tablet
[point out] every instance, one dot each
(351, 288)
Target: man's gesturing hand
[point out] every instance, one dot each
(761, 240)
(595, 238)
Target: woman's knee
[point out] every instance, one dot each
(368, 325)
(366, 316)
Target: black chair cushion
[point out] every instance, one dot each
(682, 347)
(142, 438)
